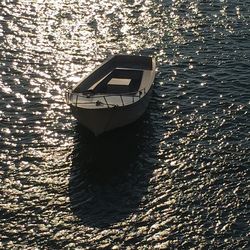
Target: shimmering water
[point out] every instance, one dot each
(176, 179)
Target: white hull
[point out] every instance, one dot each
(102, 120)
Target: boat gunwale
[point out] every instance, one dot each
(97, 108)
(140, 94)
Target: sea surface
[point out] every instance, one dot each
(178, 178)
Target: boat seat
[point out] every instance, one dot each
(120, 81)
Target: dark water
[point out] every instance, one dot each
(176, 179)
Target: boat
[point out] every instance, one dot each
(115, 94)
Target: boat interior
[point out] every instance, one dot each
(120, 74)
(119, 81)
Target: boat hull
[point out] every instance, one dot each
(102, 120)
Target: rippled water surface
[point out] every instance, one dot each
(176, 179)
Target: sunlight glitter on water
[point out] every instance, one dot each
(183, 181)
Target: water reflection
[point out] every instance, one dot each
(110, 174)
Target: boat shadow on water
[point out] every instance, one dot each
(110, 174)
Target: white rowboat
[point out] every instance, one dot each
(115, 94)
